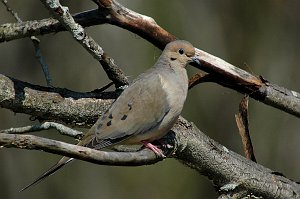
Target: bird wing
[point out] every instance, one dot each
(140, 108)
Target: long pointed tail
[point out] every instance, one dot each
(64, 161)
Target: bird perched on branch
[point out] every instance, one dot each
(146, 110)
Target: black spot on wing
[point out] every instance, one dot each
(130, 105)
(124, 117)
(99, 126)
(110, 116)
(108, 123)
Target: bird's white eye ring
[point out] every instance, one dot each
(181, 51)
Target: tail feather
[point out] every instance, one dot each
(64, 161)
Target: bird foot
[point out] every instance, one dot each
(154, 148)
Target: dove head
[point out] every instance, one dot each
(180, 53)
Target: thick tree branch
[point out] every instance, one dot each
(225, 74)
(54, 104)
(228, 169)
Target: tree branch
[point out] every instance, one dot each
(193, 148)
(62, 14)
(225, 74)
(53, 104)
(242, 121)
(31, 142)
(39, 57)
(64, 130)
(36, 45)
(225, 167)
(12, 31)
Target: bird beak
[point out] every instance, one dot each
(196, 62)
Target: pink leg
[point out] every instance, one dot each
(154, 148)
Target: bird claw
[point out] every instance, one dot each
(154, 148)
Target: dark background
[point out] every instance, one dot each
(262, 37)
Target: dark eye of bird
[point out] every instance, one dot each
(181, 51)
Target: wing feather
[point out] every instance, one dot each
(140, 108)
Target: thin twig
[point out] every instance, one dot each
(63, 15)
(12, 12)
(104, 88)
(198, 78)
(38, 55)
(36, 44)
(242, 121)
(64, 130)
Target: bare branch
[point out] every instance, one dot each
(62, 14)
(225, 74)
(242, 119)
(279, 97)
(198, 78)
(44, 65)
(12, 31)
(32, 142)
(225, 167)
(230, 172)
(12, 12)
(36, 44)
(54, 104)
(64, 130)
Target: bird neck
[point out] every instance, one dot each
(162, 62)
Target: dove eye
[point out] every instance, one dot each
(181, 51)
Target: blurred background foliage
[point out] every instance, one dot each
(261, 37)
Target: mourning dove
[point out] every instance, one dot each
(146, 110)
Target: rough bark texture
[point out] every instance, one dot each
(54, 104)
(229, 171)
